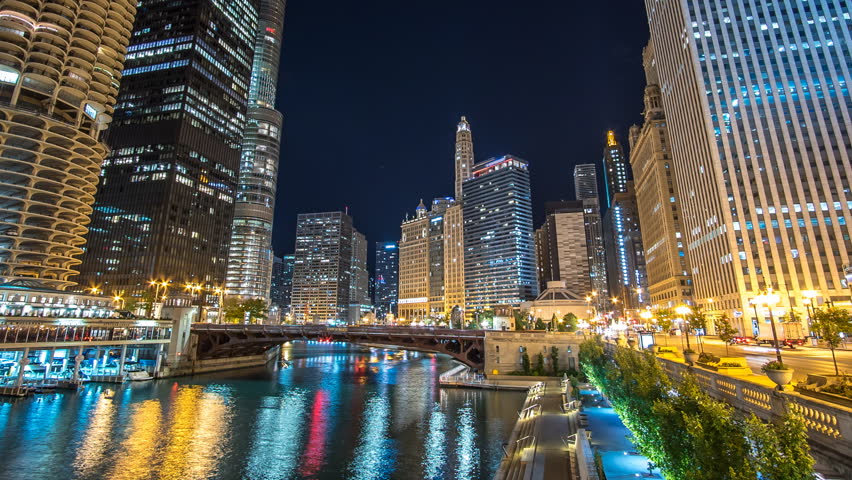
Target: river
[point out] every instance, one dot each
(337, 412)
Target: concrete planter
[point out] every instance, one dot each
(691, 358)
(780, 377)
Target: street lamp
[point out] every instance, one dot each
(646, 315)
(809, 301)
(770, 299)
(119, 300)
(684, 311)
(220, 292)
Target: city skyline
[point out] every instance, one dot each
(338, 123)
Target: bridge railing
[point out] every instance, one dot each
(326, 329)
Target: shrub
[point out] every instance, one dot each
(773, 365)
(708, 358)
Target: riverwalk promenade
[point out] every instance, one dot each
(538, 448)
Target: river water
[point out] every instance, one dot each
(338, 412)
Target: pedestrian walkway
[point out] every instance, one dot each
(612, 440)
(536, 450)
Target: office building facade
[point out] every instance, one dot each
(758, 111)
(281, 289)
(499, 259)
(626, 273)
(359, 290)
(657, 200)
(614, 167)
(586, 189)
(386, 279)
(166, 202)
(249, 270)
(322, 271)
(414, 267)
(59, 77)
(561, 248)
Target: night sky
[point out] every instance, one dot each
(371, 92)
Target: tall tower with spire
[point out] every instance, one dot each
(464, 155)
(249, 272)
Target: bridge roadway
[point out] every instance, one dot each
(221, 341)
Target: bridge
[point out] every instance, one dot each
(228, 341)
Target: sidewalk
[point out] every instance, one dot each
(536, 451)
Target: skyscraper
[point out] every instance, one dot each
(615, 168)
(59, 76)
(657, 200)
(585, 181)
(625, 253)
(250, 256)
(422, 262)
(322, 272)
(414, 266)
(387, 278)
(758, 111)
(498, 234)
(166, 203)
(586, 189)
(281, 291)
(561, 247)
(464, 155)
(454, 296)
(359, 289)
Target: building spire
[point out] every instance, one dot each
(464, 155)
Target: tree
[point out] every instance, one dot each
(539, 364)
(486, 317)
(665, 318)
(726, 331)
(829, 323)
(554, 360)
(696, 320)
(251, 310)
(525, 362)
(568, 323)
(781, 450)
(539, 324)
(521, 319)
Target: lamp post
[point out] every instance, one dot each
(684, 311)
(119, 300)
(770, 299)
(220, 292)
(810, 298)
(646, 316)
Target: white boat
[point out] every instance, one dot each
(139, 376)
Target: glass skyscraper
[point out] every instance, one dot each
(499, 263)
(758, 111)
(282, 283)
(586, 190)
(387, 276)
(615, 168)
(165, 205)
(322, 272)
(250, 259)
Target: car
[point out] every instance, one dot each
(741, 341)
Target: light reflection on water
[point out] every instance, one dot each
(374, 455)
(434, 455)
(277, 436)
(338, 412)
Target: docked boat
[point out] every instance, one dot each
(141, 376)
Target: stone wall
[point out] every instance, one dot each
(503, 350)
